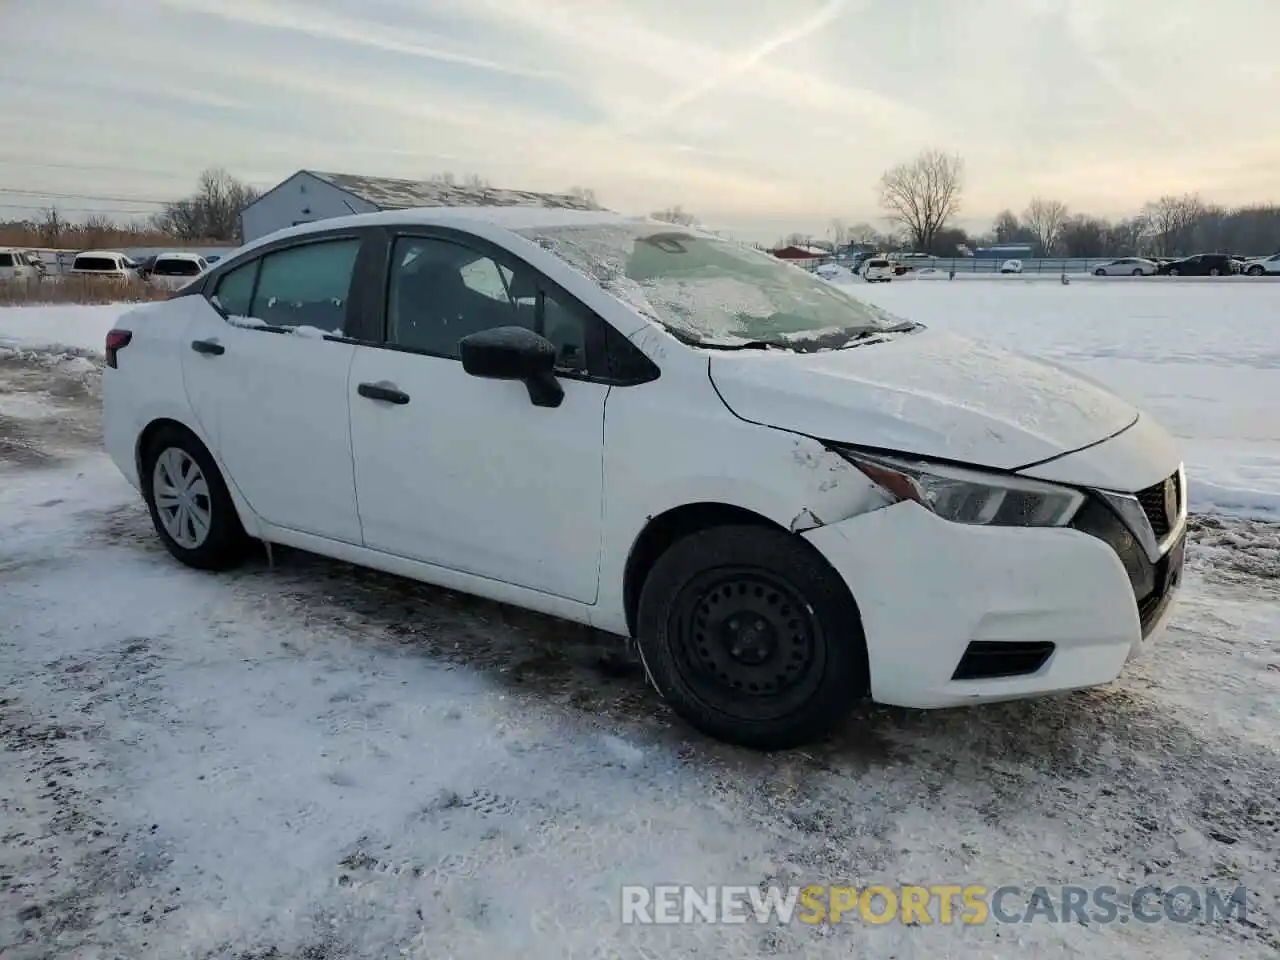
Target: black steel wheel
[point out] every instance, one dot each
(752, 637)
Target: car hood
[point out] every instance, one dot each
(926, 393)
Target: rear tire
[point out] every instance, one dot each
(1137, 272)
(1099, 272)
(190, 505)
(751, 637)
(1215, 272)
(1173, 271)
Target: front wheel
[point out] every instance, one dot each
(1173, 271)
(1214, 271)
(1099, 272)
(751, 637)
(190, 505)
(1137, 272)
(1255, 271)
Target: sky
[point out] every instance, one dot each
(762, 118)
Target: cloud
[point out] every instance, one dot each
(744, 112)
(312, 20)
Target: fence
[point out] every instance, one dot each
(1053, 265)
(58, 261)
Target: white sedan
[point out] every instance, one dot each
(789, 498)
(1261, 266)
(1127, 267)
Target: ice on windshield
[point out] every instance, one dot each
(710, 291)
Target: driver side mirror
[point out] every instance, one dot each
(514, 353)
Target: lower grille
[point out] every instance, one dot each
(1151, 582)
(987, 660)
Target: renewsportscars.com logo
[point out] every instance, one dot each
(944, 903)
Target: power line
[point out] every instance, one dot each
(59, 165)
(20, 206)
(81, 196)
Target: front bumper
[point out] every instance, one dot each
(929, 590)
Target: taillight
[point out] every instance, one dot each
(117, 340)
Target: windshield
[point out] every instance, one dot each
(715, 293)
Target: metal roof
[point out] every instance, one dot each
(387, 193)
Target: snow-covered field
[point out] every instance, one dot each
(312, 761)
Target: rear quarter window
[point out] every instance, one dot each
(6, 259)
(95, 263)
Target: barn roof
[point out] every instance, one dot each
(387, 193)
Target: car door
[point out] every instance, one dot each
(266, 370)
(469, 473)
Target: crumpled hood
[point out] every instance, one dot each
(926, 393)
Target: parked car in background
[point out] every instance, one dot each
(175, 270)
(876, 269)
(1011, 266)
(16, 264)
(1201, 265)
(760, 520)
(106, 264)
(1127, 267)
(1259, 266)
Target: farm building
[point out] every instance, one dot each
(310, 195)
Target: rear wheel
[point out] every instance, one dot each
(1100, 272)
(190, 506)
(751, 637)
(1214, 272)
(1173, 271)
(1255, 271)
(1137, 272)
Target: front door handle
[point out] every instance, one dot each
(211, 348)
(387, 392)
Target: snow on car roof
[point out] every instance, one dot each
(509, 218)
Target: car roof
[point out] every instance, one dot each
(510, 218)
(178, 255)
(101, 253)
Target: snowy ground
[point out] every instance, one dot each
(312, 762)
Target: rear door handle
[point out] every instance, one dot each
(387, 392)
(209, 347)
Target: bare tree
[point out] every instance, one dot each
(923, 194)
(1007, 228)
(211, 213)
(1083, 236)
(97, 226)
(51, 228)
(676, 214)
(865, 234)
(1045, 219)
(585, 195)
(1173, 221)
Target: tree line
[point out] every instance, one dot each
(920, 199)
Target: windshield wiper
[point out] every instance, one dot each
(743, 345)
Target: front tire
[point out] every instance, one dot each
(190, 505)
(751, 637)
(1255, 271)
(1099, 272)
(1137, 272)
(1215, 272)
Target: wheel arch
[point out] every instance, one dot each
(664, 529)
(248, 519)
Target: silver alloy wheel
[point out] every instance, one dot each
(182, 498)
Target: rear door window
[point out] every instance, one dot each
(6, 260)
(306, 285)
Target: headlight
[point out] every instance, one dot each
(969, 496)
